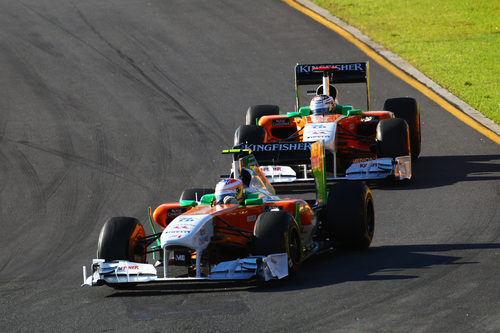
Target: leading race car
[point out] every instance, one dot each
(359, 144)
(242, 230)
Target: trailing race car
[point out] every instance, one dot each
(242, 230)
(359, 144)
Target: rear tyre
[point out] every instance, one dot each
(393, 138)
(252, 134)
(277, 232)
(408, 109)
(350, 216)
(195, 194)
(256, 111)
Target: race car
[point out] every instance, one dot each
(360, 144)
(240, 230)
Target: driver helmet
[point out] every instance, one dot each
(322, 104)
(229, 187)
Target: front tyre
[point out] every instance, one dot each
(350, 216)
(277, 232)
(121, 238)
(393, 138)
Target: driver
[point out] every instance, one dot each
(230, 191)
(322, 105)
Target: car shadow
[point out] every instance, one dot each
(183, 288)
(428, 172)
(397, 262)
(436, 171)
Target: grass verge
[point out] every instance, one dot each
(454, 43)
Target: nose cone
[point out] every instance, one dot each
(192, 231)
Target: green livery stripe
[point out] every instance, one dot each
(318, 169)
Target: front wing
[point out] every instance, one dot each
(273, 266)
(275, 160)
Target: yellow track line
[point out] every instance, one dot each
(397, 72)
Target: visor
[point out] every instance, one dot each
(219, 196)
(320, 110)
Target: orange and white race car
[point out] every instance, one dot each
(240, 230)
(358, 144)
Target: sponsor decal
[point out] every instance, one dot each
(361, 160)
(341, 67)
(364, 165)
(251, 218)
(366, 119)
(281, 122)
(172, 212)
(178, 231)
(181, 258)
(183, 226)
(268, 168)
(298, 146)
(185, 219)
(124, 268)
(272, 208)
(315, 132)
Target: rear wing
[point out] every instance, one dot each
(348, 72)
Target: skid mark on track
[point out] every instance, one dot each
(5, 167)
(85, 162)
(93, 205)
(136, 67)
(33, 183)
(176, 106)
(156, 68)
(66, 31)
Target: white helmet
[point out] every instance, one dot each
(230, 187)
(322, 104)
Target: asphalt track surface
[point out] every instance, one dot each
(108, 107)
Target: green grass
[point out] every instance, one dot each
(454, 42)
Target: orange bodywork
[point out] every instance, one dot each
(280, 127)
(227, 217)
(164, 214)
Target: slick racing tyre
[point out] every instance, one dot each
(249, 134)
(121, 239)
(350, 216)
(257, 111)
(393, 138)
(408, 109)
(277, 232)
(195, 194)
